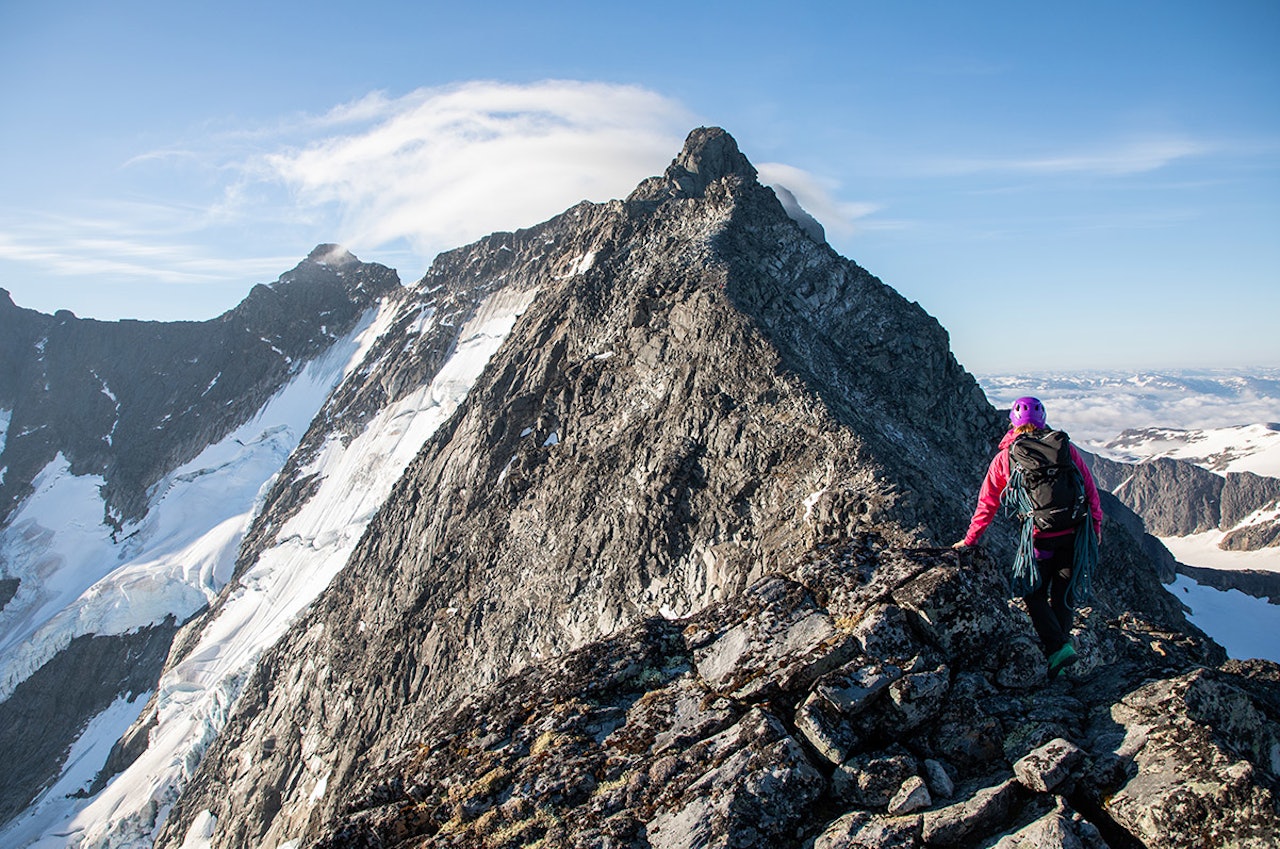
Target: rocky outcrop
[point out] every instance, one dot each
(872, 697)
(131, 400)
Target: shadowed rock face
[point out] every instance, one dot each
(659, 581)
(1171, 498)
(1178, 498)
(48, 711)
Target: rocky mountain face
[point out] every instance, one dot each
(624, 533)
(1178, 498)
(129, 402)
(665, 578)
(698, 390)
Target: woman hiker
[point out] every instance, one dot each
(1062, 523)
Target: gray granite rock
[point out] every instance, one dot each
(1048, 766)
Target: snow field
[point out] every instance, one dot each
(35, 826)
(176, 559)
(1245, 626)
(1247, 448)
(1202, 550)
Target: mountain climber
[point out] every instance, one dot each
(1061, 523)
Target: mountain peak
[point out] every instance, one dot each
(709, 154)
(330, 254)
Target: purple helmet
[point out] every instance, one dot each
(1027, 410)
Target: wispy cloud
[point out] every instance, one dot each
(440, 167)
(818, 197)
(1136, 156)
(101, 248)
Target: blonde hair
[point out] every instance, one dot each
(1026, 428)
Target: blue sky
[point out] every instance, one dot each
(1064, 186)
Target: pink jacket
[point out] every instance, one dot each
(998, 478)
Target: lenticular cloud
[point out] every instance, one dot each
(441, 167)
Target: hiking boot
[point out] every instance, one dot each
(1061, 659)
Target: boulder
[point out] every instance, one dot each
(1048, 766)
(958, 823)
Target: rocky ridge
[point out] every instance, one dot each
(691, 497)
(871, 697)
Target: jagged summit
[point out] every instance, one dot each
(709, 154)
(330, 254)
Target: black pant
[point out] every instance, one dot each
(1047, 604)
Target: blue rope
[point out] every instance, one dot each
(1026, 576)
(1086, 558)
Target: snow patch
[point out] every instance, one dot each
(1202, 550)
(1245, 626)
(553, 439)
(322, 786)
(200, 834)
(810, 502)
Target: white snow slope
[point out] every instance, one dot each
(1246, 448)
(76, 580)
(196, 697)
